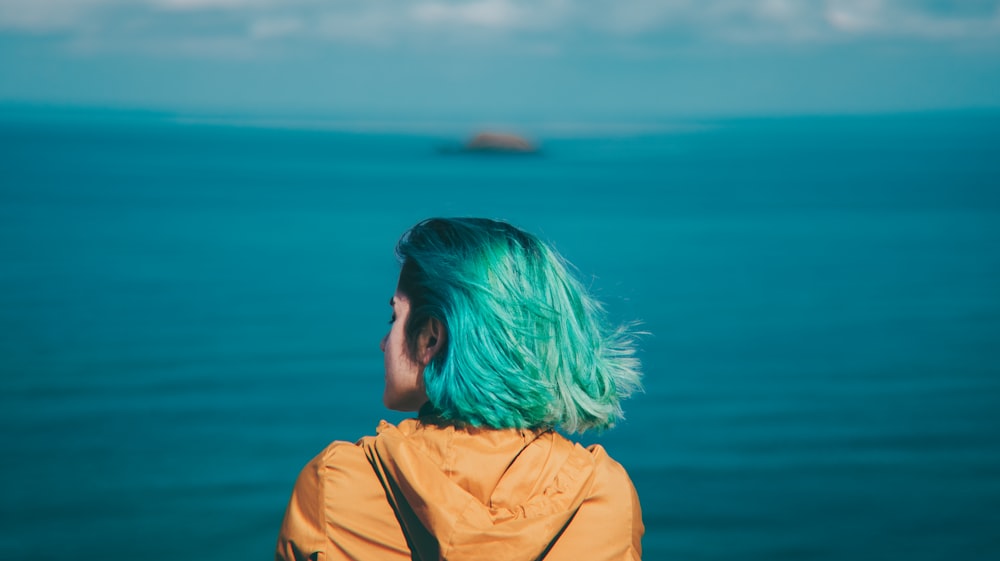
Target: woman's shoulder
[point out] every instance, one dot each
(335, 452)
(603, 462)
(611, 476)
(343, 454)
(339, 505)
(340, 467)
(349, 465)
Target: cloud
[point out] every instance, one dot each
(199, 5)
(47, 15)
(268, 27)
(921, 20)
(595, 24)
(484, 13)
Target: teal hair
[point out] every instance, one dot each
(527, 346)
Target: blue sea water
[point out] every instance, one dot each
(189, 312)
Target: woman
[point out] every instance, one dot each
(496, 345)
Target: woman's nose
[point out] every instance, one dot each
(381, 343)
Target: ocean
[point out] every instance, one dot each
(190, 310)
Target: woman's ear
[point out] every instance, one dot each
(433, 338)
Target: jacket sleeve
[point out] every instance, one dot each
(302, 536)
(339, 512)
(608, 526)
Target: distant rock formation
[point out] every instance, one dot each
(499, 142)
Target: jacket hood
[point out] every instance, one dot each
(465, 493)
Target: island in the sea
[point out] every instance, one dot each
(499, 142)
(493, 143)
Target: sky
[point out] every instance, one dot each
(557, 60)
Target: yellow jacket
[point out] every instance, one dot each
(426, 491)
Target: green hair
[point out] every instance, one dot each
(527, 346)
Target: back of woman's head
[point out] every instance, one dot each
(527, 346)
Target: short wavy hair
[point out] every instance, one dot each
(527, 346)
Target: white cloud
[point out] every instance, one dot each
(607, 23)
(638, 16)
(47, 15)
(197, 5)
(375, 25)
(777, 10)
(274, 27)
(897, 18)
(484, 13)
(856, 16)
